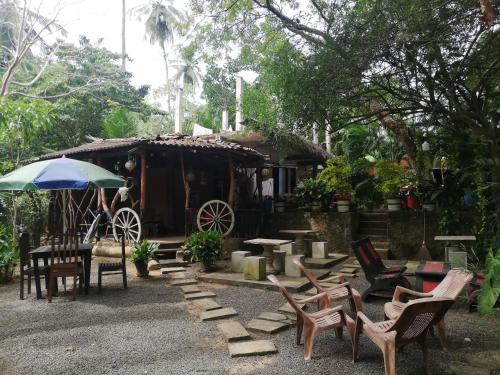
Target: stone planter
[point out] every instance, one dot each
(428, 207)
(316, 206)
(343, 206)
(142, 269)
(393, 204)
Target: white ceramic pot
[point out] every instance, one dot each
(316, 206)
(343, 206)
(393, 204)
(428, 206)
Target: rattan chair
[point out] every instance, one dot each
(411, 326)
(310, 324)
(451, 286)
(113, 268)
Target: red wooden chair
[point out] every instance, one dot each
(335, 293)
(411, 326)
(451, 286)
(378, 275)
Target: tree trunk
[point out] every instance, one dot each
(124, 7)
(167, 79)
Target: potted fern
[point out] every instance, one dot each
(312, 194)
(141, 253)
(391, 177)
(336, 178)
(204, 247)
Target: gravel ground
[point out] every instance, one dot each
(150, 329)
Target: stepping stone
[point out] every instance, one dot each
(186, 289)
(199, 295)
(172, 263)
(180, 282)
(225, 312)
(248, 348)
(348, 270)
(178, 275)
(275, 317)
(173, 269)
(233, 331)
(286, 308)
(206, 304)
(266, 326)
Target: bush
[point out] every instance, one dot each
(310, 190)
(336, 176)
(9, 255)
(391, 177)
(490, 289)
(204, 247)
(142, 251)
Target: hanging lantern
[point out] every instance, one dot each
(190, 176)
(426, 146)
(130, 165)
(265, 172)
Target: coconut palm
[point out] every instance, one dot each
(162, 19)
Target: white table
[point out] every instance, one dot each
(299, 238)
(268, 245)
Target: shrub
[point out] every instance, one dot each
(9, 255)
(490, 288)
(142, 251)
(204, 247)
(336, 176)
(391, 177)
(310, 190)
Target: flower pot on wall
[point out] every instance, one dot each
(279, 206)
(316, 206)
(393, 204)
(343, 206)
(428, 207)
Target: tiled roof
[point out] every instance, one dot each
(179, 141)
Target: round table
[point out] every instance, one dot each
(299, 238)
(268, 245)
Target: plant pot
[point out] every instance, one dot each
(142, 269)
(316, 206)
(428, 207)
(207, 266)
(343, 206)
(393, 204)
(279, 207)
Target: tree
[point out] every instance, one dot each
(124, 53)
(161, 21)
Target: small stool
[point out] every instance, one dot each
(237, 260)
(290, 268)
(289, 248)
(279, 260)
(254, 268)
(320, 250)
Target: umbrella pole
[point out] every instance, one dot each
(65, 219)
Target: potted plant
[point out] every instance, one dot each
(279, 204)
(141, 253)
(205, 247)
(312, 193)
(336, 177)
(391, 177)
(427, 191)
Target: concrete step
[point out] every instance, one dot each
(373, 216)
(373, 224)
(371, 231)
(384, 254)
(373, 237)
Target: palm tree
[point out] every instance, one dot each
(162, 19)
(187, 73)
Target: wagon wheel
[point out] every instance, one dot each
(88, 224)
(216, 215)
(126, 222)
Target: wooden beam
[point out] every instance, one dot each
(187, 189)
(143, 183)
(259, 183)
(230, 198)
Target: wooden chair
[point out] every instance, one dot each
(335, 293)
(26, 270)
(411, 326)
(451, 286)
(114, 268)
(378, 275)
(310, 324)
(64, 262)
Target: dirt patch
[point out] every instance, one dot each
(209, 343)
(251, 365)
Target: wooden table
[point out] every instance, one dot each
(430, 274)
(299, 238)
(268, 245)
(43, 252)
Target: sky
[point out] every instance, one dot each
(102, 19)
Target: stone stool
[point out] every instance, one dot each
(320, 250)
(254, 268)
(289, 248)
(308, 247)
(237, 260)
(279, 260)
(290, 268)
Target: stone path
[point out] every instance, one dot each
(239, 341)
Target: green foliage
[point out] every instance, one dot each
(312, 190)
(9, 254)
(391, 177)
(336, 176)
(120, 123)
(490, 289)
(142, 251)
(427, 191)
(366, 193)
(204, 247)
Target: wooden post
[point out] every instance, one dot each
(230, 198)
(259, 183)
(143, 183)
(99, 198)
(187, 189)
